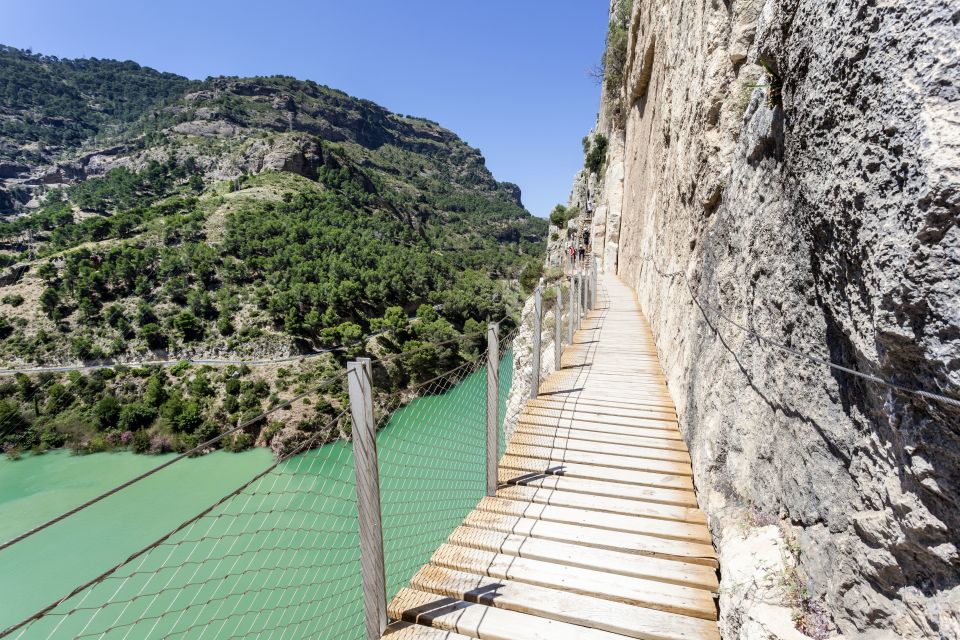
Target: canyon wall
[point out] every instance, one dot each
(795, 166)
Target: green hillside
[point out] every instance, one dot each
(153, 217)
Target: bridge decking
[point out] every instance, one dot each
(595, 532)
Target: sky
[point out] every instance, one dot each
(509, 76)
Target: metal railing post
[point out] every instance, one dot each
(493, 406)
(579, 302)
(537, 330)
(585, 283)
(586, 293)
(570, 312)
(596, 282)
(557, 331)
(372, 569)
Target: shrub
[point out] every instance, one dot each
(187, 326)
(530, 276)
(140, 442)
(189, 418)
(225, 326)
(596, 156)
(84, 349)
(10, 417)
(12, 299)
(231, 404)
(136, 416)
(615, 55)
(58, 399)
(153, 335)
(200, 386)
(160, 443)
(559, 216)
(106, 413)
(49, 301)
(155, 393)
(239, 442)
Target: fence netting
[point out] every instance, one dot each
(279, 556)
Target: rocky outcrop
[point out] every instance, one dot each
(797, 167)
(522, 346)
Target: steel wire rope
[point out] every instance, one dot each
(929, 395)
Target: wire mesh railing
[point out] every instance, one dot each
(287, 553)
(284, 543)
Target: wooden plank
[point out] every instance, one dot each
(599, 436)
(597, 519)
(408, 631)
(598, 488)
(572, 456)
(580, 416)
(687, 573)
(564, 423)
(626, 390)
(640, 411)
(644, 544)
(642, 592)
(486, 623)
(525, 438)
(589, 472)
(565, 606)
(602, 504)
(638, 375)
(581, 392)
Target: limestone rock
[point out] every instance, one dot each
(522, 345)
(821, 210)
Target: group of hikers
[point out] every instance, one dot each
(579, 249)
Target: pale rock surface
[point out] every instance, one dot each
(523, 359)
(751, 594)
(828, 222)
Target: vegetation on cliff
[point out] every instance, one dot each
(230, 219)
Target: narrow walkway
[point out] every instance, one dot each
(595, 531)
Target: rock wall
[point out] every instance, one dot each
(523, 368)
(813, 198)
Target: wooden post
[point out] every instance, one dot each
(557, 331)
(570, 312)
(372, 570)
(537, 329)
(493, 406)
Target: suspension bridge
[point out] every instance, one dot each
(423, 520)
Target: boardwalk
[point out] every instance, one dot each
(595, 531)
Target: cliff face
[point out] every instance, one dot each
(813, 198)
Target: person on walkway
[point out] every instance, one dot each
(572, 252)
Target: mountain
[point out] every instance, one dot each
(148, 216)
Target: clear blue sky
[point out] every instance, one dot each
(509, 76)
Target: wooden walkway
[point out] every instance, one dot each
(595, 531)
